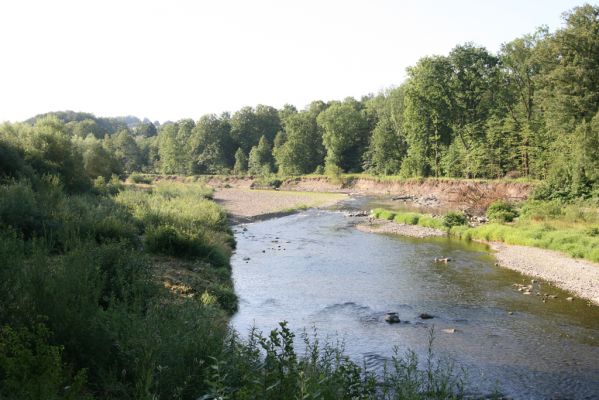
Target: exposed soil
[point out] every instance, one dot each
(468, 195)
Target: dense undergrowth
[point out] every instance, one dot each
(572, 228)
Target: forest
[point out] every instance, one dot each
(529, 111)
(81, 313)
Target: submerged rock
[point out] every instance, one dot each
(426, 316)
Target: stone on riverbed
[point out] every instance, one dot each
(426, 316)
(392, 318)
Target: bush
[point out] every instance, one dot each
(454, 219)
(501, 211)
(139, 178)
(31, 368)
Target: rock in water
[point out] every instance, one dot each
(426, 316)
(392, 318)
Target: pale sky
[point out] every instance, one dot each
(173, 59)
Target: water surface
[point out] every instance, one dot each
(316, 269)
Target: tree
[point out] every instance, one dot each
(571, 92)
(241, 162)
(249, 125)
(428, 118)
(260, 160)
(211, 145)
(521, 71)
(50, 151)
(173, 147)
(345, 135)
(145, 129)
(387, 146)
(303, 150)
(98, 161)
(126, 151)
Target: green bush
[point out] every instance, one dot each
(139, 178)
(501, 211)
(453, 218)
(31, 368)
(226, 297)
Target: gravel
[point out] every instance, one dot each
(577, 276)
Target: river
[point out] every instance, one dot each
(314, 269)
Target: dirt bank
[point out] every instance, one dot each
(246, 205)
(579, 277)
(469, 195)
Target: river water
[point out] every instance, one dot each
(314, 269)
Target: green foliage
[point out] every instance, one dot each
(303, 149)
(269, 367)
(241, 162)
(407, 218)
(453, 218)
(32, 368)
(139, 178)
(260, 161)
(501, 211)
(344, 134)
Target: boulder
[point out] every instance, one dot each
(392, 318)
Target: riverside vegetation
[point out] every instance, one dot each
(123, 291)
(572, 229)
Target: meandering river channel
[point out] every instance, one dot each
(315, 269)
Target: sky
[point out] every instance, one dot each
(172, 59)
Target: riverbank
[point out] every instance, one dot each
(472, 195)
(247, 205)
(579, 277)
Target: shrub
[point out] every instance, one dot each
(226, 297)
(501, 211)
(454, 219)
(139, 178)
(31, 368)
(169, 241)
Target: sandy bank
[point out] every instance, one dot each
(579, 277)
(246, 205)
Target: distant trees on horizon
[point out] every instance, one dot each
(529, 111)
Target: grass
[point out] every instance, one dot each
(572, 229)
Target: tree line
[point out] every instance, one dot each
(529, 111)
